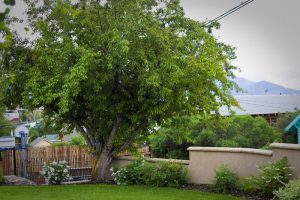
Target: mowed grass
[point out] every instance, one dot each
(105, 192)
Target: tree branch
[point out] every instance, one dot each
(113, 133)
(129, 140)
(85, 134)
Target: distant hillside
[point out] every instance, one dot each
(242, 83)
(262, 87)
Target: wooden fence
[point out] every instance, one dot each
(79, 159)
(7, 162)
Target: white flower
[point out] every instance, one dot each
(63, 162)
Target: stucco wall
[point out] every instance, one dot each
(203, 161)
(292, 152)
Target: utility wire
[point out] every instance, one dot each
(229, 12)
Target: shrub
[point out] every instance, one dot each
(290, 192)
(140, 172)
(1, 176)
(225, 180)
(132, 174)
(273, 176)
(248, 184)
(167, 174)
(206, 138)
(56, 172)
(77, 141)
(168, 146)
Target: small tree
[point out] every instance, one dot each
(116, 69)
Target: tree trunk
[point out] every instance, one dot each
(100, 167)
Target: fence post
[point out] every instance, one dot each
(15, 161)
(23, 154)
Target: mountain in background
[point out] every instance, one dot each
(261, 88)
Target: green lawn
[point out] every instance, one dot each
(105, 192)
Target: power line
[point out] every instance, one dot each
(229, 12)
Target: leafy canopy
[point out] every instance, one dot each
(117, 66)
(174, 137)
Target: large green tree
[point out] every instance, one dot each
(115, 69)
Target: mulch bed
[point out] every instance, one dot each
(207, 188)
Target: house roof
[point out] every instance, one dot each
(52, 137)
(264, 104)
(7, 141)
(37, 140)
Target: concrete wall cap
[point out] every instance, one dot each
(285, 146)
(232, 150)
(155, 160)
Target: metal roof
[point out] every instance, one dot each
(7, 141)
(264, 104)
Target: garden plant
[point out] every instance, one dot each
(272, 177)
(141, 172)
(56, 172)
(290, 191)
(225, 180)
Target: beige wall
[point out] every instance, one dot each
(204, 161)
(292, 152)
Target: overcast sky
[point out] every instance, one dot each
(266, 34)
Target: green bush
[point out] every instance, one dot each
(206, 138)
(167, 146)
(140, 172)
(248, 184)
(272, 177)
(1, 176)
(290, 192)
(167, 174)
(77, 141)
(133, 173)
(225, 180)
